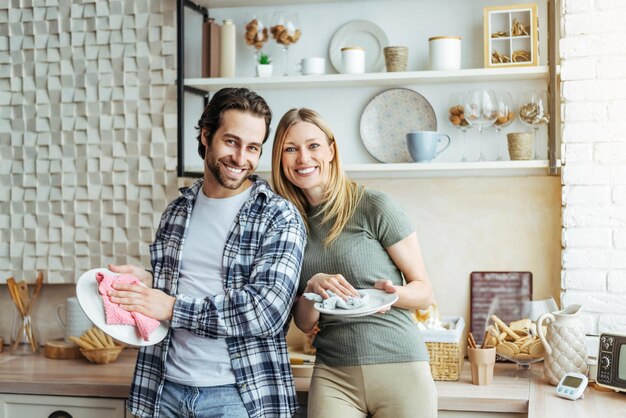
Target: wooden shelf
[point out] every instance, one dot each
(449, 169)
(373, 79)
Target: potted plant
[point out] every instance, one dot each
(264, 66)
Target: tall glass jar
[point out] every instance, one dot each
(23, 340)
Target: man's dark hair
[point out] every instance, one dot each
(226, 99)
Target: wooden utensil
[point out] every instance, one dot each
(22, 288)
(12, 285)
(37, 291)
(24, 302)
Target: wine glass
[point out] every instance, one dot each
(534, 112)
(285, 31)
(504, 117)
(256, 33)
(456, 117)
(480, 111)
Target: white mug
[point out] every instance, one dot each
(74, 321)
(352, 60)
(313, 65)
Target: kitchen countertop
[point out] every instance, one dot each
(513, 390)
(35, 374)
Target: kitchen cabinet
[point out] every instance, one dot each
(341, 98)
(12, 406)
(35, 386)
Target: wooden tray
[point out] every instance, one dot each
(486, 285)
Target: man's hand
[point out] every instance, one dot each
(153, 303)
(144, 276)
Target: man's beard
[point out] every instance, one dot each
(221, 174)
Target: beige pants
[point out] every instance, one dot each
(393, 390)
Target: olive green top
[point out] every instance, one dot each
(359, 255)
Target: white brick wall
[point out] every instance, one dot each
(593, 74)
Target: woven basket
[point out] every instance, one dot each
(444, 349)
(446, 360)
(102, 355)
(520, 145)
(396, 58)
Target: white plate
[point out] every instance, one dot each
(379, 299)
(361, 33)
(91, 303)
(387, 119)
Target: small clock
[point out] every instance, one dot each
(572, 386)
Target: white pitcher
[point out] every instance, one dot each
(73, 320)
(564, 343)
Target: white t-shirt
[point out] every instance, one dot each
(193, 360)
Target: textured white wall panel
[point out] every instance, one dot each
(87, 133)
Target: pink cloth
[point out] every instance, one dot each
(114, 314)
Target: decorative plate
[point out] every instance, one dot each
(387, 119)
(364, 34)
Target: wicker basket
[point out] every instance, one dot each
(520, 145)
(396, 58)
(444, 349)
(102, 355)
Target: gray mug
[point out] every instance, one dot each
(423, 145)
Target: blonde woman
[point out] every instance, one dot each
(358, 238)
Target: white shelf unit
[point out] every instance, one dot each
(359, 164)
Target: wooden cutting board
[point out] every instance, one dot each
(61, 350)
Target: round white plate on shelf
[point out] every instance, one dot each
(364, 34)
(387, 119)
(91, 303)
(379, 299)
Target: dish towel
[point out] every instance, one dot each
(114, 314)
(335, 302)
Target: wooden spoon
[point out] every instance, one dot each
(22, 288)
(36, 292)
(12, 285)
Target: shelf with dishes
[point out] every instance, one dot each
(374, 79)
(380, 135)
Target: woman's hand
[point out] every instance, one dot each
(153, 303)
(336, 283)
(387, 286)
(143, 275)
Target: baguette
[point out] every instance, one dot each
(81, 343)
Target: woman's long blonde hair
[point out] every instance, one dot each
(341, 196)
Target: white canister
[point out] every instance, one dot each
(445, 52)
(228, 48)
(352, 60)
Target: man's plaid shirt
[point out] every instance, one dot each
(262, 260)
